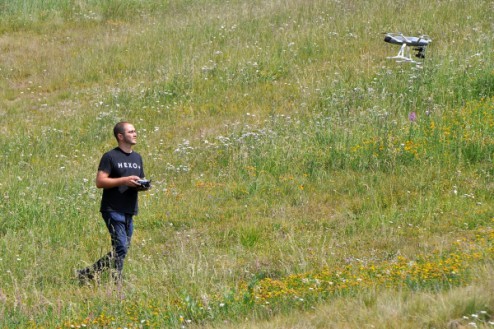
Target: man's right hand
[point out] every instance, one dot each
(132, 181)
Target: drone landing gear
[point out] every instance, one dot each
(404, 54)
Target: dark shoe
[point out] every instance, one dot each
(85, 277)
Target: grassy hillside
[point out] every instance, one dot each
(301, 178)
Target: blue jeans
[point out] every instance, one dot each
(121, 228)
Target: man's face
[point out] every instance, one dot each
(129, 135)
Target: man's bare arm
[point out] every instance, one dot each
(103, 180)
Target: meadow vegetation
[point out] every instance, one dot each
(300, 178)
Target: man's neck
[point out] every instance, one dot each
(126, 148)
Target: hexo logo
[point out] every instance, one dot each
(132, 165)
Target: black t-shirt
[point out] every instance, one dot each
(117, 164)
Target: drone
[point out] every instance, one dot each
(419, 44)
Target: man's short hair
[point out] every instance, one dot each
(119, 129)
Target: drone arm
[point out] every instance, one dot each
(406, 39)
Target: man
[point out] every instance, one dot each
(120, 174)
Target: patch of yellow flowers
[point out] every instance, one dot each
(433, 271)
(468, 127)
(423, 272)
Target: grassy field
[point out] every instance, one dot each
(301, 178)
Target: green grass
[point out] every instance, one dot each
(279, 140)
